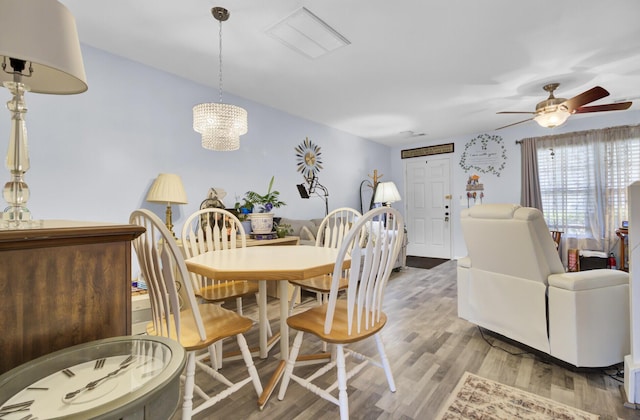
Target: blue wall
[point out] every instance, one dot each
(95, 155)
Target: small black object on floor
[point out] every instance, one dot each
(424, 262)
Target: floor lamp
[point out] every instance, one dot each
(314, 185)
(386, 193)
(40, 53)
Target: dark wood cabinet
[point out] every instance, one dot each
(63, 284)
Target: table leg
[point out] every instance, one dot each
(284, 314)
(284, 344)
(262, 318)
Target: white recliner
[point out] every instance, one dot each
(513, 283)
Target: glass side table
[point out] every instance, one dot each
(132, 377)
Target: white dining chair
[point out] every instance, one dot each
(334, 227)
(195, 326)
(216, 229)
(356, 316)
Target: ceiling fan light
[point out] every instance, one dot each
(553, 118)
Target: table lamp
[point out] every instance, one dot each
(167, 188)
(39, 52)
(386, 193)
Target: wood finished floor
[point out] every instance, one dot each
(429, 348)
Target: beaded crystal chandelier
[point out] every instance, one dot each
(220, 124)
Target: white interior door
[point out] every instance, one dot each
(428, 207)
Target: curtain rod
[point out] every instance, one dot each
(584, 132)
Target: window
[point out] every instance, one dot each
(583, 183)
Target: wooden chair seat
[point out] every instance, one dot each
(320, 284)
(228, 290)
(219, 323)
(312, 321)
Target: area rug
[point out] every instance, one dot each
(480, 398)
(424, 262)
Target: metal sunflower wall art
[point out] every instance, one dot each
(308, 158)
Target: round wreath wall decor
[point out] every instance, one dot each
(485, 154)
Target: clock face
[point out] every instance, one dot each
(308, 158)
(77, 383)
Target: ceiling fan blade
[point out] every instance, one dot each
(620, 106)
(515, 112)
(515, 123)
(584, 98)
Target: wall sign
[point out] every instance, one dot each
(427, 151)
(485, 154)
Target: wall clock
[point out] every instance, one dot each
(308, 158)
(105, 379)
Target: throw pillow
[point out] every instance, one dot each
(306, 234)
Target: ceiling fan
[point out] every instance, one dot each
(553, 111)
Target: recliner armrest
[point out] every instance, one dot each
(587, 280)
(464, 262)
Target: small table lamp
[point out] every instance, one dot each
(167, 188)
(386, 193)
(40, 53)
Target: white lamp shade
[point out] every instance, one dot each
(386, 192)
(43, 33)
(167, 188)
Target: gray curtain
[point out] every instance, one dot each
(530, 188)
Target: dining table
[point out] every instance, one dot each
(279, 263)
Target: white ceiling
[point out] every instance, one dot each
(442, 68)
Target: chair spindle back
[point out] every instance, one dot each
(373, 244)
(211, 229)
(162, 265)
(335, 227)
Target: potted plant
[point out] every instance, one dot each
(266, 202)
(242, 212)
(283, 229)
(262, 219)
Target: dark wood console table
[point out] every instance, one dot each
(62, 284)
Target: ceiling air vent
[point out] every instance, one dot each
(307, 34)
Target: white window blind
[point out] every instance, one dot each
(583, 183)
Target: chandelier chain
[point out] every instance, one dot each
(220, 124)
(220, 63)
